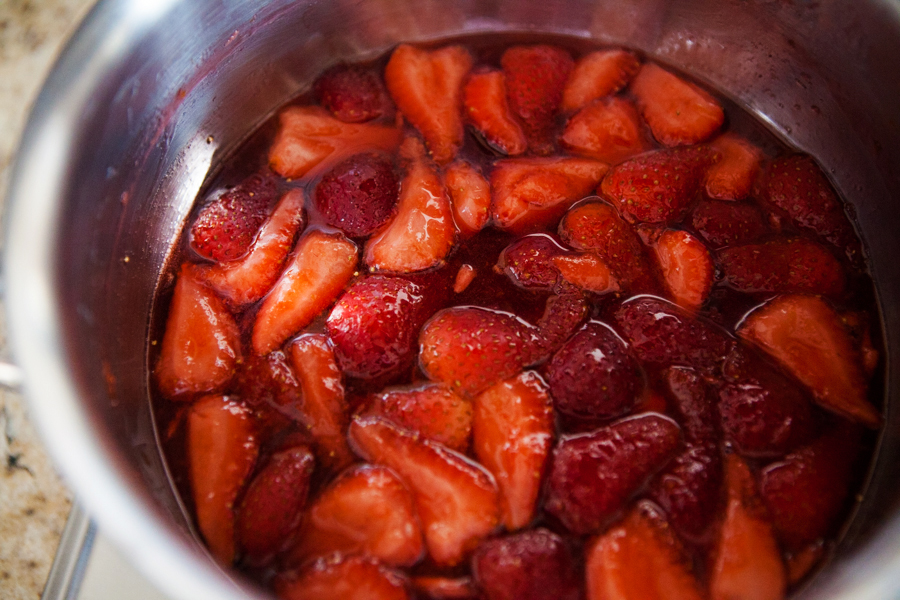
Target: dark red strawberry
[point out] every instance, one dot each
(487, 108)
(598, 74)
(269, 386)
(609, 130)
(694, 404)
(593, 474)
(359, 194)
(723, 223)
(352, 94)
(527, 261)
(563, 315)
(432, 410)
(340, 577)
(531, 565)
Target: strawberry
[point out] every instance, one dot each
(470, 196)
(341, 577)
(593, 375)
(221, 451)
(271, 509)
(640, 558)
(309, 140)
(727, 223)
(225, 228)
(427, 88)
(366, 510)
(464, 278)
(353, 94)
(563, 314)
(596, 75)
(860, 329)
(247, 280)
(457, 500)
(535, 77)
(686, 267)
(808, 338)
(746, 561)
(528, 261)
(422, 233)
(445, 588)
(694, 404)
(432, 410)
(801, 562)
(678, 112)
(201, 343)
(785, 265)
(586, 271)
(487, 108)
(271, 389)
(592, 475)
(531, 565)
(321, 266)
(732, 177)
(359, 194)
(609, 130)
(658, 186)
(513, 429)
(531, 193)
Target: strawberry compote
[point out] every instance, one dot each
(509, 322)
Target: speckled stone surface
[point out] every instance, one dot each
(34, 502)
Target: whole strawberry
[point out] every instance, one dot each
(359, 194)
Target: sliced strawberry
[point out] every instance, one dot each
(366, 510)
(609, 130)
(592, 475)
(270, 387)
(432, 410)
(513, 431)
(678, 112)
(321, 266)
(272, 506)
(747, 562)
(427, 88)
(563, 314)
(359, 194)
(535, 77)
(422, 233)
(596, 75)
(658, 186)
(221, 451)
(309, 140)
(343, 578)
(531, 193)
(531, 565)
(457, 500)
(464, 278)
(528, 261)
(586, 271)
(686, 267)
(201, 343)
(732, 177)
(727, 223)
(470, 195)
(860, 329)
(353, 94)
(446, 588)
(640, 559)
(246, 281)
(487, 108)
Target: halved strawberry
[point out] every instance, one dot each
(201, 343)
(221, 451)
(513, 429)
(732, 177)
(457, 500)
(464, 278)
(587, 271)
(808, 338)
(359, 194)
(427, 88)
(596, 75)
(693, 403)
(366, 510)
(309, 140)
(470, 195)
(686, 267)
(487, 108)
(563, 314)
(746, 560)
(353, 94)
(270, 387)
(432, 410)
(609, 130)
(446, 588)
(531, 193)
(678, 112)
(320, 268)
(339, 577)
(528, 261)
(247, 280)
(727, 223)
(422, 233)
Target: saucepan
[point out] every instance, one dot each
(149, 96)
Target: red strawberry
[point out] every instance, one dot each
(727, 223)
(270, 387)
(432, 410)
(353, 94)
(366, 510)
(359, 194)
(586, 271)
(201, 343)
(444, 588)
(596, 75)
(785, 265)
(341, 577)
(247, 280)
(470, 195)
(531, 565)
(693, 403)
(271, 509)
(528, 261)
(457, 500)
(592, 475)
(593, 375)
(679, 113)
(221, 452)
(513, 431)
(686, 267)
(464, 278)
(658, 186)
(732, 177)
(609, 130)
(487, 108)
(427, 88)
(808, 338)
(320, 268)
(801, 562)
(535, 77)
(563, 314)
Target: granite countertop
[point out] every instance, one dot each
(34, 502)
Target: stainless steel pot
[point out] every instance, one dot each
(148, 95)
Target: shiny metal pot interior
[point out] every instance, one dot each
(149, 94)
